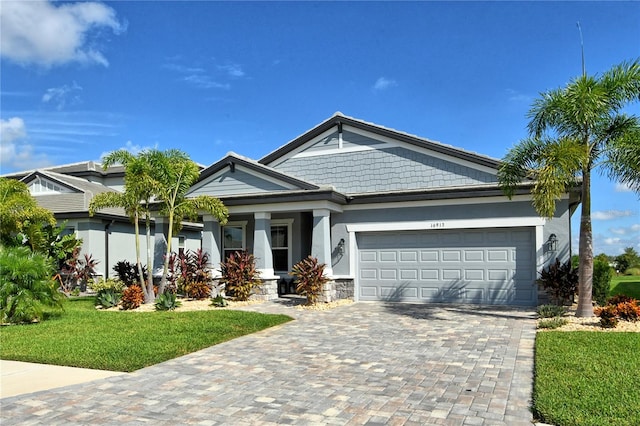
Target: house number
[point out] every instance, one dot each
(437, 225)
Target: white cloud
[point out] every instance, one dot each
(63, 95)
(635, 227)
(383, 83)
(203, 81)
(132, 148)
(39, 32)
(233, 70)
(15, 151)
(515, 96)
(621, 187)
(610, 214)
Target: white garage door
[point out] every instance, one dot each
(495, 266)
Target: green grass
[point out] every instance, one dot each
(81, 336)
(587, 378)
(626, 284)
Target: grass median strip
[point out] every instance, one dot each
(587, 378)
(81, 336)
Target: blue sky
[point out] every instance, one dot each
(82, 79)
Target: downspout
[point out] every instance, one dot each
(106, 248)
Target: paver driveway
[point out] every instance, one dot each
(364, 363)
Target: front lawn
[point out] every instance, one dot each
(626, 284)
(587, 378)
(81, 336)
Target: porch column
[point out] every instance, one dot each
(321, 239)
(159, 244)
(212, 244)
(262, 245)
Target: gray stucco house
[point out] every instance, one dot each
(393, 216)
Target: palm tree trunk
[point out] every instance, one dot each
(138, 260)
(585, 250)
(165, 269)
(149, 260)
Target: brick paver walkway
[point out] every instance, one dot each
(364, 363)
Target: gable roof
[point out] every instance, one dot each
(76, 201)
(231, 160)
(338, 119)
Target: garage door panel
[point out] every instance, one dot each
(409, 274)
(388, 256)
(451, 255)
(497, 255)
(388, 274)
(429, 274)
(368, 256)
(474, 256)
(474, 274)
(408, 256)
(429, 255)
(489, 266)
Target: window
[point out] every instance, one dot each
(181, 244)
(233, 238)
(281, 246)
(41, 186)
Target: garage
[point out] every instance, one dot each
(477, 266)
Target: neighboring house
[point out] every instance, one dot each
(393, 216)
(108, 236)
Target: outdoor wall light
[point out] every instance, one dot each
(552, 243)
(341, 246)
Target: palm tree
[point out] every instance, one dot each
(175, 173)
(573, 130)
(135, 199)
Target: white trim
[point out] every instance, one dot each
(540, 261)
(302, 147)
(496, 222)
(288, 223)
(243, 225)
(262, 215)
(296, 206)
(333, 151)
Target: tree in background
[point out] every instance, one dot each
(628, 259)
(174, 173)
(21, 219)
(573, 130)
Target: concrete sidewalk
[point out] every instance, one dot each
(17, 378)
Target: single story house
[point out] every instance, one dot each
(394, 217)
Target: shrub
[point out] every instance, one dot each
(108, 284)
(167, 301)
(628, 311)
(107, 298)
(188, 269)
(239, 275)
(26, 285)
(618, 307)
(309, 278)
(128, 273)
(560, 281)
(197, 290)
(608, 316)
(632, 271)
(219, 301)
(552, 323)
(602, 274)
(132, 297)
(550, 311)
